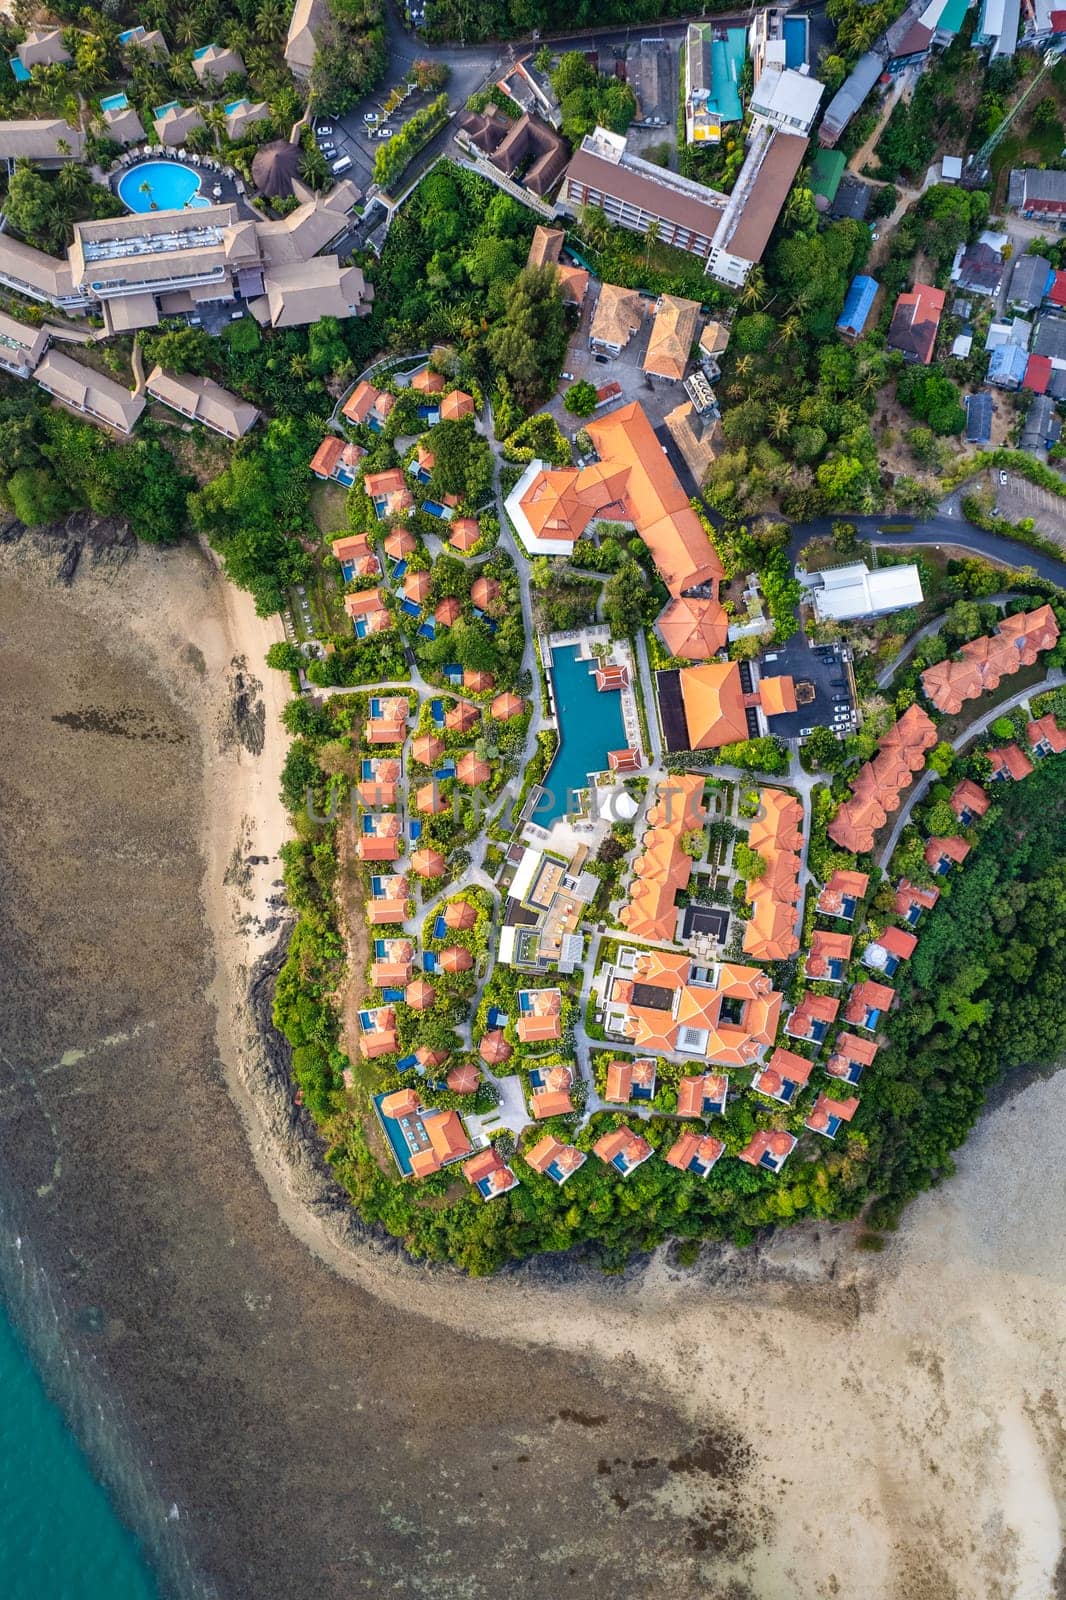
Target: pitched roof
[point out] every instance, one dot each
(694, 1093)
(898, 943)
(1010, 762)
(776, 836)
(826, 947)
(305, 291)
(673, 334)
(1047, 731)
(692, 629)
(878, 784)
(969, 796)
(713, 698)
(811, 1009)
(915, 321)
(39, 139)
(851, 1047)
(459, 914)
(865, 997)
(767, 195)
(203, 400)
(983, 662)
(842, 884)
(691, 1148)
(663, 867)
(494, 1049)
(465, 534)
(455, 405)
(550, 1150)
(910, 894)
(88, 391)
(625, 1143)
(825, 1108)
(772, 1142)
(619, 313)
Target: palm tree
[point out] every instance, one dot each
(651, 235)
(790, 329)
(754, 291)
(594, 226)
(299, 365)
(215, 118)
(780, 421)
(743, 365)
(186, 28)
(272, 19)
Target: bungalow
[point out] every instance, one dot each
(448, 612)
(494, 1049)
(812, 1018)
(430, 1139)
(942, 854)
(460, 914)
(842, 894)
(915, 322)
(826, 1115)
(388, 899)
(484, 592)
(769, 1148)
(783, 1076)
(695, 1152)
(356, 558)
(1046, 737)
(368, 612)
(478, 682)
(214, 62)
(426, 381)
(557, 1161)
(429, 801)
(828, 957)
(886, 953)
(849, 1056)
(550, 1096)
(704, 1096)
(631, 1080)
(465, 534)
(540, 1016)
(388, 721)
(1009, 762)
(388, 493)
(377, 1032)
(461, 717)
(416, 586)
(336, 461)
(455, 958)
(911, 901)
(969, 802)
(464, 1079)
(393, 963)
(379, 837)
(427, 748)
(489, 1174)
(427, 863)
(456, 405)
(866, 1003)
(369, 405)
(623, 1150)
(399, 544)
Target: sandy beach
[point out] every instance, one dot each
(804, 1421)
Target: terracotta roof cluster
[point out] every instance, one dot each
(827, 950)
(447, 1142)
(702, 1096)
(395, 966)
(377, 1033)
(663, 867)
(782, 1076)
(952, 850)
(769, 1148)
(355, 549)
(389, 492)
(382, 787)
(541, 1017)
(851, 1054)
(984, 662)
(623, 1149)
(826, 1115)
(333, 453)
(1010, 761)
(867, 997)
(1046, 737)
(879, 783)
(366, 401)
(910, 894)
(547, 248)
(390, 724)
(812, 1016)
(369, 605)
(553, 1100)
(695, 1152)
(550, 1152)
(969, 799)
(776, 836)
(716, 705)
(489, 1173)
(843, 886)
(663, 1005)
(625, 1076)
(391, 904)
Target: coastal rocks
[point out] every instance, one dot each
(105, 542)
(243, 718)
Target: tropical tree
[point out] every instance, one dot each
(652, 234)
(754, 291)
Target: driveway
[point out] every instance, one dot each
(1019, 498)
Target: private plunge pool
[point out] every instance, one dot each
(590, 724)
(161, 186)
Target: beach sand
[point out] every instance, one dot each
(803, 1421)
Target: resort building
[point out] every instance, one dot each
(47, 142)
(885, 953)
(337, 462)
(393, 963)
(121, 123)
(377, 1032)
(718, 702)
(664, 867)
(751, 211)
(843, 893)
(241, 115)
(768, 1148)
(969, 801)
(308, 18)
(84, 390)
(213, 62)
(547, 250)
(670, 1004)
(489, 1174)
(39, 277)
(545, 902)
(42, 47)
(623, 1150)
(842, 594)
(879, 784)
(631, 1080)
(673, 335)
(786, 99)
(369, 405)
(704, 1096)
(369, 615)
(941, 854)
(695, 1153)
(202, 400)
(827, 958)
(618, 315)
(306, 291)
(387, 723)
(150, 40)
(540, 1019)
(21, 347)
(783, 1076)
(828, 1116)
(776, 836)
(557, 1161)
(633, 483)
(812, 1018)
(174, 123)
(1045, 735)
(1009, 763)
(911, 901)
(388, 900)
(422, 1141)
(550, 1092)
(633, 193)
(388, 493)
(866, 1004)
(983, 663)
(849, 1056)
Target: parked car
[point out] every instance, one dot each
(569, 376)
(1003, 480)
(340, 166)
(325, 127)
(370, 116)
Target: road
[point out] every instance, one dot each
(937, 531)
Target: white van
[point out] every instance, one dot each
(342, 165)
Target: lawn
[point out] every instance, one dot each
(328, 507)
(1035, 147)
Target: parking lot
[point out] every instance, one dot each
(1018, 498)
(656, 395)
(826, 669)
(354, 137)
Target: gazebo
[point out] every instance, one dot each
(274, 166)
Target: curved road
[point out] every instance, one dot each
(938, 530)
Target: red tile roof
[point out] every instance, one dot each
(915, 321)
(622, 1142)
(494, 1049)
(954, 848)
(1037, 374)
(909, 894)
(1009, 762)
(812, 1008)
(548, 1150)
(771, 1142)
(969, 796)
(693, 1094)
(867, 996)
(826, 947)
(984, 662)
(825, 1107)
(896, 942)
(849, 1047)
(1047, 731)
(694, 1146)
(878, 784)
(842, 885)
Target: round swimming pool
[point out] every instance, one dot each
(160, 186)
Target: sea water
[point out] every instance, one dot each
(59, 1536)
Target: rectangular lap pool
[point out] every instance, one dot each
(590, 724)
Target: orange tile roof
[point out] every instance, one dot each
(455, 405)
(353, 545)
(623, 1075)
(448, 611)
(673, 333)
(399, 543)
(432, 1058)
(783, 1066)
(770, 1142)
(969, 796)
(954, 848)
(826, 947)
(427, 382)
(694, 1093)
(622, 1142)
(909, 894)
(447, 1135)
(693, 629)
(543, 1020)
(812, 1008)
(484, 1165)
(429, 800)
(549, 1149)
(427, 748)
(850, 1047)
(478, 682)
(663, 867)
(551, 1103)
(464, 1080)
(1047, 731)
(777, 696)
(428, 863)
(984, 662)
(693, 1146)
(842, 885)
(867, 996)
(897, 942)
(386, 974)
(459, 914)
(364, 399)
(471, 770)
(419, 995)
(364, 602)
(456, 958)
(401, 1103)
(494, 1049)
(416, 586)
(824, 1107)
(1010, 762)
(506, 705)
(380, 912)
(461, 717)
(713, 697)
(878, 784)
(776, 836)
(483, 591)
(370, 848)
(465, 534)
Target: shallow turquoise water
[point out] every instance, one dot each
(170, 184)
(59, 1537)
(590, 724)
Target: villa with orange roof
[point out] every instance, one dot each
(393, 964)
(850, 1054)
(379, 779)
(388, 721)
(941, 854)
(368, 612)
(556, 1160)
(812, 1017)
(705, 1096)
(539, 1015)
(463, 1079)
(399, 543)
(430, 1138)
(866, 1004)
(426, 381)
(969, 802)
(550, 1092)
(1009, 763)
(783, 1076)
(911, 901)
(842, 894)
(367, 404)
(663, 867)
(670, 1004)
(465, 534)
(623, 1150)
(885, 953)
(982, 664)
(461, 717)
(388, 899)
(828, 1116)
(505, 706)
(428, 863)
(776, 837)
(879, 784)
(827, 959)
(489, 1174)
(1046, 737)
(379, 837)
(631, 1080)
(769, 1148)
(356, 557)
(388, 492)
(337, 460)
(377, 1032)
(633, 483)
(455, 405)
(694, 1152)
(706, 706)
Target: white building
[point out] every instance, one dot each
(786, 99)
(843, 594)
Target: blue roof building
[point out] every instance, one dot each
(1006, 366)
(978, 418)
(858, 303)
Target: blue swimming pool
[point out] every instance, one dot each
(796, 35)
(590, 724)
(392, 1129)
(160, 186)
(22, 73)
(114, 102)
